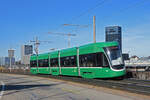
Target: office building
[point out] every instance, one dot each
(26, 52)
(114, 33)
(11, 53)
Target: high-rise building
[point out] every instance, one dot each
(9, 60)
(11, 53)
(26, 52)
(5, 61)
(2, 61)
(114, 33)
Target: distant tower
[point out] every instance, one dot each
(26, 52)
(2, 62)
(11, 53)
(10, 60)
(114, 33)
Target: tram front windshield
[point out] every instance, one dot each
(115, 57)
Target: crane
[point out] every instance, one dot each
(69, 34)
(36, 44)
(77, 25)
(94, 28)
(64, 34)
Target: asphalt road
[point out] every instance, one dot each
(23, 87)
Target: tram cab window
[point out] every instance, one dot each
(54, 62)
(115, 56)
(70, 61)
(93, 60)
(43, 63)
(33, 63)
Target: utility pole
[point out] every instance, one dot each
(36, 44)
(94, 30)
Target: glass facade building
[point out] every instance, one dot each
(114, 33)
(28, 49)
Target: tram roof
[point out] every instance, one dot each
(84, 49)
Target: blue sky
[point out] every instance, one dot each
(22, 20)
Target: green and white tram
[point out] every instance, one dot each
(95, 60)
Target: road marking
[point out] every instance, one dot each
(3, 88)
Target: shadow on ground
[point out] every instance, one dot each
(18, 88)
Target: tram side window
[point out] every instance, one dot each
(86, 60)
(54, 62)
(33, 63)
(70, 61)
(93, 60)
(43, 63)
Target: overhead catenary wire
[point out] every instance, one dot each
(133, 6)
(121, 11)
(98, 4)
(104, 1)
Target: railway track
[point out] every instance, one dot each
(134, 86)
(130, 85)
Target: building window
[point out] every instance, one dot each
(54, 62)
(93, 60)
(70, 61)
(43, 63)
(33, 63)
